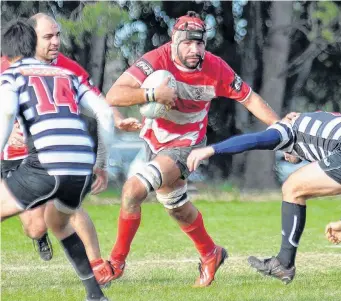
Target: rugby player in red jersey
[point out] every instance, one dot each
(200, 76)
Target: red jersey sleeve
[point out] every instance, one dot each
(230, 85)
(145, 66)
(83, 76)
(4, 64)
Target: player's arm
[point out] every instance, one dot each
(97, 107)
(230, 85)
(275, 137)
(260, 108)
(127, 91)
(8, 112)
(265, 140)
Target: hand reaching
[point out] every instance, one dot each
(197, 155)
(333, 232)
(101, 182)
(129, 125)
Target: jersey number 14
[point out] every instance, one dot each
(62, 95)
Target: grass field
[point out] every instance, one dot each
(163, 263)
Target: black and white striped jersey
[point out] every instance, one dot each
(312, 136)
(48, 100)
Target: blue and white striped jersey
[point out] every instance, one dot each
(48, 100)
(312, 136)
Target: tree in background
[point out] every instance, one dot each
(289, 52)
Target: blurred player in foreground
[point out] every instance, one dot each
(46, 100)
(47, 51)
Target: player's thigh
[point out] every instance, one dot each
(169, 169)
(9, 204)
(33, 217)
(58, 221)
(31, 186)
(311, 181)
(173, 163)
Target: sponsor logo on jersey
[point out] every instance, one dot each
(237, 83)
(145, 67)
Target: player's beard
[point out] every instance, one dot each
(190, 65)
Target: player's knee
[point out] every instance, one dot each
(174, 199)
(133, 194)
(136, 189)
(293, 192)
(35, 230)
(150, 176)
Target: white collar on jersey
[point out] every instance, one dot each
(29, 61)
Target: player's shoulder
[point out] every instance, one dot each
(213, 59)
(159, 55)
(215, 64)
(11, 72)
(65, 62)
(151, 61)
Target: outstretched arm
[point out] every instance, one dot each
(259, 108)
(268, 139)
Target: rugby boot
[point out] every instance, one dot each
(118, 267)
(43, 246)
(103, 272)
(272, 267)
(209, 266)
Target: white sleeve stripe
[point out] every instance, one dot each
(284, 134)
(133, 77)
(245, 98)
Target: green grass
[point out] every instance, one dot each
(163, 263)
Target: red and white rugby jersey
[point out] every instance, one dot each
(186, 123)
(17, 153)
(83, 76)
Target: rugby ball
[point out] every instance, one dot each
(154, 109)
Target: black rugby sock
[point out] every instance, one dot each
(75, 252)
(293, 222)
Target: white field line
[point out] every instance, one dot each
(304, 257)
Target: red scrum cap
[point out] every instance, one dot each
(188, 27)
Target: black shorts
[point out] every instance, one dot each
(331, 165)
(33, 187)
(9, 165)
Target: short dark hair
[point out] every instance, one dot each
(19, 40)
